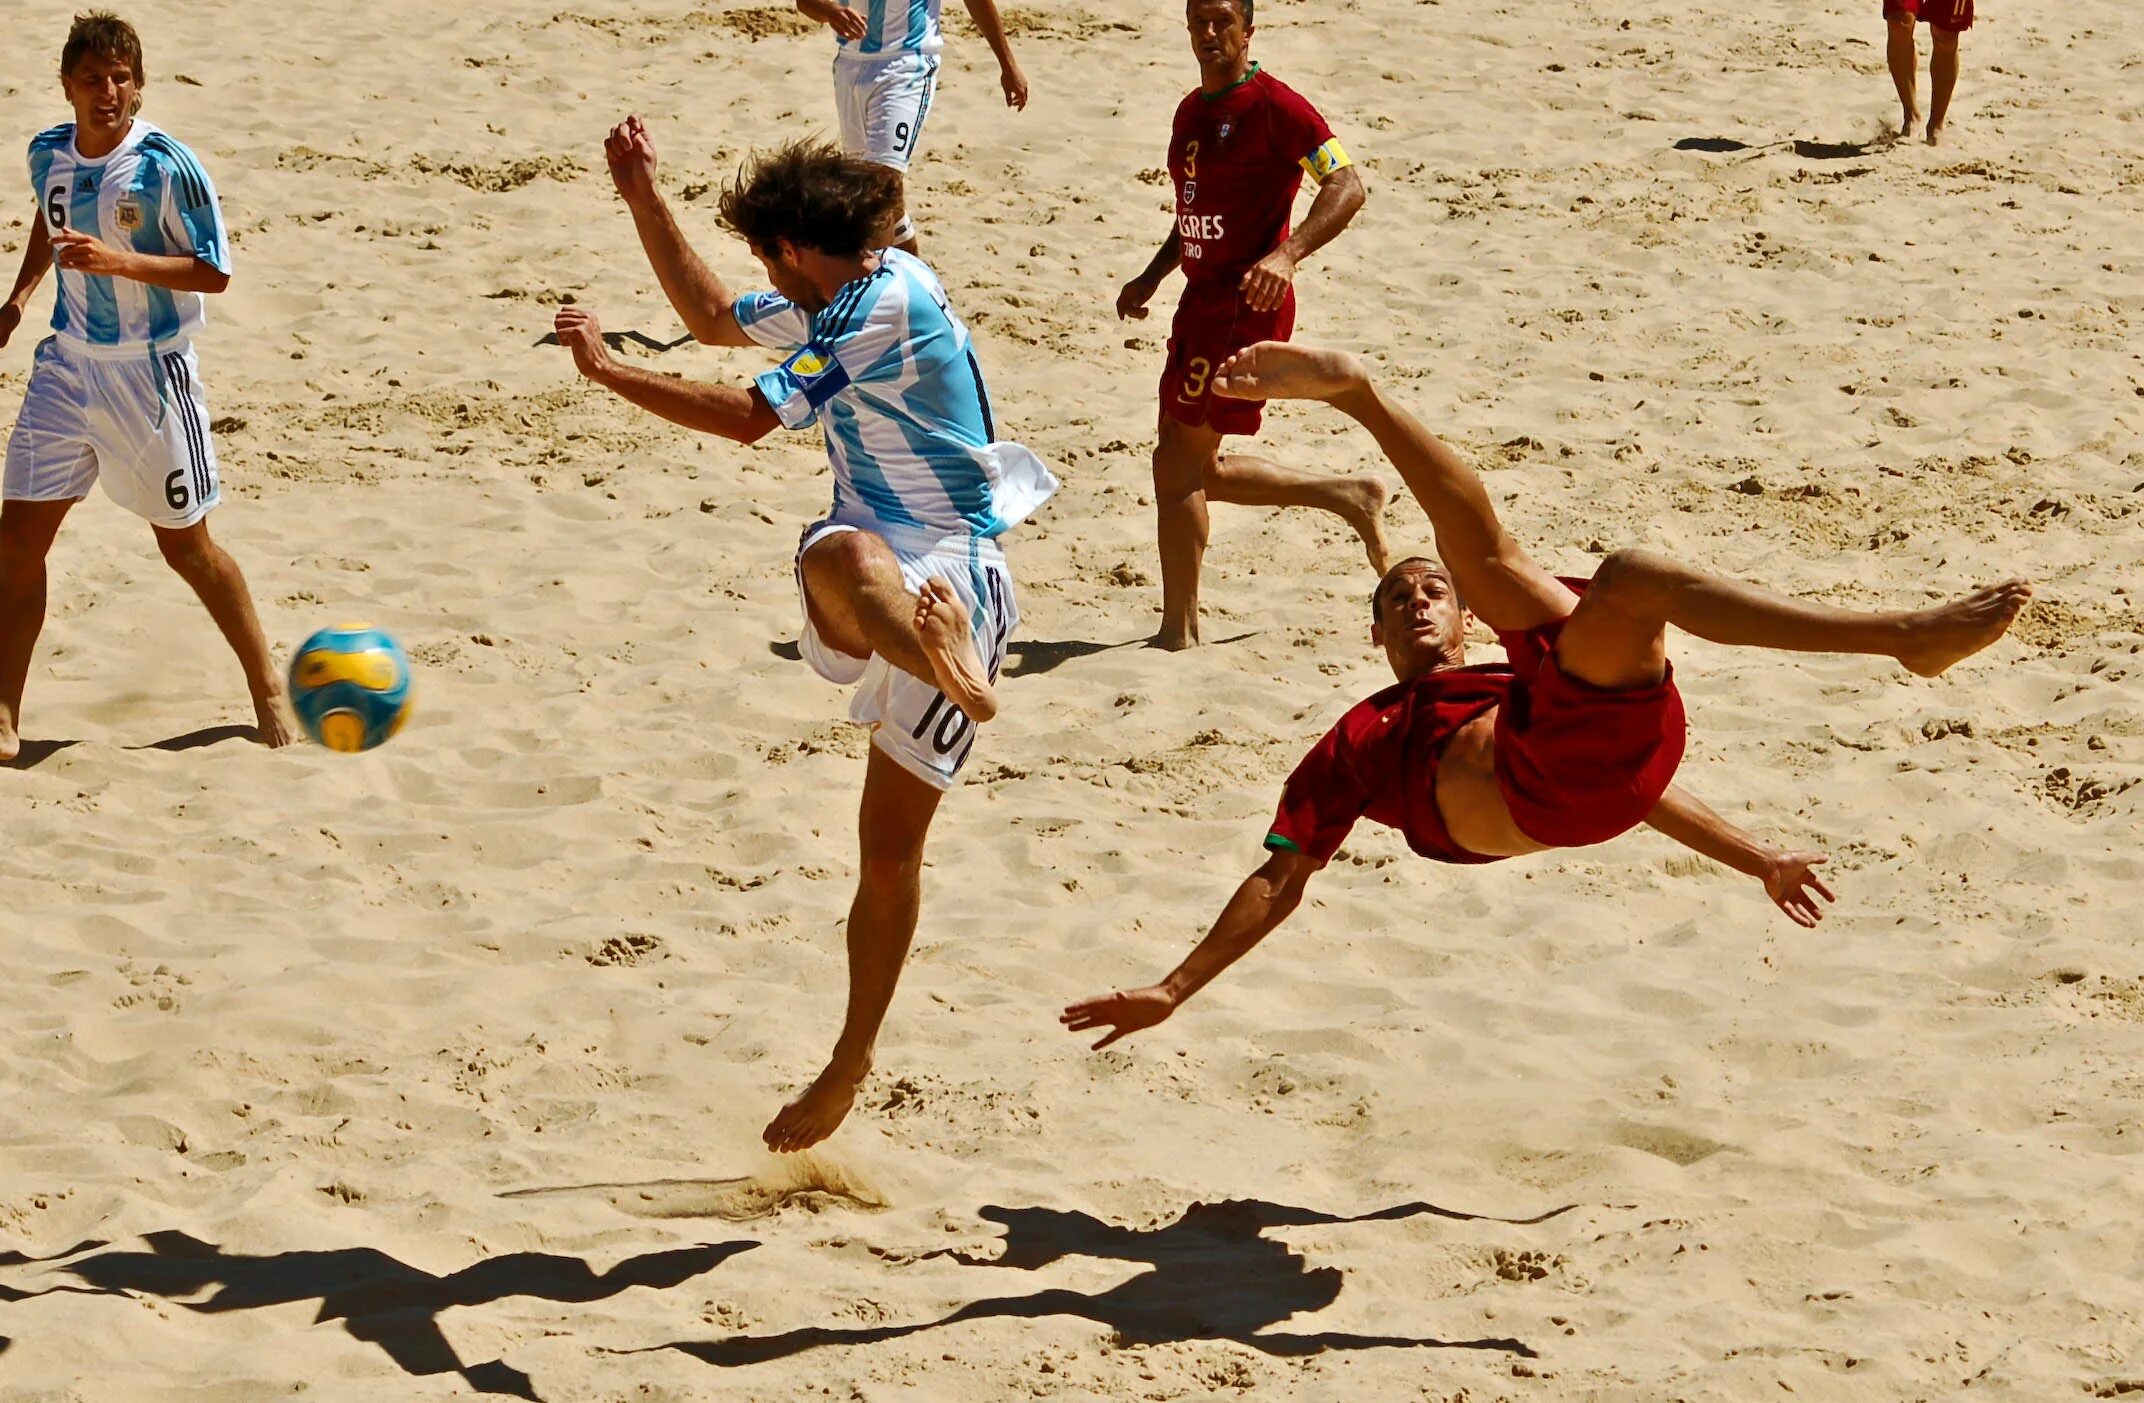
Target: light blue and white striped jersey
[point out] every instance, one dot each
(890, 372)
(895, 27)
(151, 195)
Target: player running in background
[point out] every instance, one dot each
(1241, 144)
(1572, 741)
(886, 73)
(131, 220)
(903, 588)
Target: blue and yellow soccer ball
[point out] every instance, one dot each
(350, 687)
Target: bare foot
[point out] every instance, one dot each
(1278, 370)
(1909, 125)
(1935, 134)
(1365, 511)
(943, 628)
(1938, 637)
(10, 740)
(272, 723)
(814, 1113)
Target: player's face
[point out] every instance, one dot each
(103, 92)
(1419, 622)
(787, 278)
(1219, 36)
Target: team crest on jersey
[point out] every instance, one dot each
(1191, 191)
(127, 215)
(1226, 128)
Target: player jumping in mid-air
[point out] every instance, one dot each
(1241, 143)
(1570, 743)
(903, 586)
(886, 73)
(131, 220)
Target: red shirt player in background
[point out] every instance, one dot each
(1241, 144)
(1946, 19)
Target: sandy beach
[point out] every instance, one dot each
(439, 1072)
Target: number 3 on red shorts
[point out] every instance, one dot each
(1197, 371)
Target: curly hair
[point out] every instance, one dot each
(811, 194)
(104, 34)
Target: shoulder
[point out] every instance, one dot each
(167, 150)
(872, 297)
(1274, 93)
(53, 139)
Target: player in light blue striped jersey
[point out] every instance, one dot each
(131, 221)
(903, 587)
(886, 75)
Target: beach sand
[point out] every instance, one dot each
(443, 1068)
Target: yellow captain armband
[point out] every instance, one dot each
(1326, 159)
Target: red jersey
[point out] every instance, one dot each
(1576, 764)
(1236, 159)
(1380, 763)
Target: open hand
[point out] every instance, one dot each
(847, 23)
(85, 253)
(579, 332)
(1789, 881)
(630, 153)
(1123, 1012)
(1014, 82)
(1266, 285)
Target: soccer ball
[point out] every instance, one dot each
(350, 687)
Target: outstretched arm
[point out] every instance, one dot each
(701, 300)
(740, 414)
(1264, 900)
(1497, 580)
(1010, 78)
(1787, 876)
(36, 258)
(1340, 195)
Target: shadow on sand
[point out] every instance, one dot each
(377, 1298)
(1213, 1275)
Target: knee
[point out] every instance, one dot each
(1946, 44)
(887, 870)
(189, 552)
(1177, 476)
(847, 555)
(1635, 578)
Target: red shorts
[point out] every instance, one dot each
(1577, 763)
(1953, 15)
(1213, 323)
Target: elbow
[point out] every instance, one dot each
(216, 281)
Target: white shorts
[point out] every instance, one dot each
(139, 423)
(910, 719)
(882, 103)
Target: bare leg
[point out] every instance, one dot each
(1942, 81)
(860, 605)
(26, 533)
(221, 587)
(1898, 52)
(908, 245)
(1184, 459)
(1496, 579)
(1615, 636)
(895, 817)
(1358, 500)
